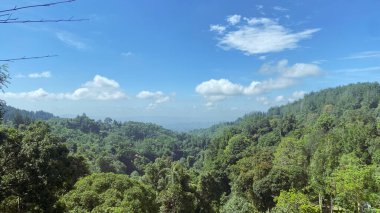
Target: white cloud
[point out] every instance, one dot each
(102, 82)
(126, 54)
(218, 90)
(217, 28)
(45, 74)
(233, 19)
(281, 9)
(363, 55)
(268, 85)
(297, 70)
(298, 94)
(100, 88)
(219, 87)
(157, 97)
(356, 70)
(263, 100)
(279, 98)
(36, 94)
(260, 36)
(263, 57)
(301, 70)
(71, 40)
(319, 61)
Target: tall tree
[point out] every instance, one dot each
(35, 169)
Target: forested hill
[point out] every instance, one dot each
(320, 152)
(323, 148)
(19, 116)
(335, 100)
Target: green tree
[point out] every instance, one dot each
(236, 145)
(35, 168)
(291, 160)
(238, 204)
(107, 192)
(4, 76)
(354, 183)
(293, 201)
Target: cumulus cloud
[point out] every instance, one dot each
(157, 98)
(233, 19)
(259, 36)
(286, 75)
(71, 40)
(36, 94)
(100, 88)
(45, 74)
(218, 90)
(297, 70)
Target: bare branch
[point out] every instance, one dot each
(9, 18)
(27, 58)
(36, 5)
(15, 21)
(7, 14)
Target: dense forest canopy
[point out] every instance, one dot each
(321, 152)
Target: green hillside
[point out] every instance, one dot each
(317, 153)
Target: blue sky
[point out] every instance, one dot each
(186, 61)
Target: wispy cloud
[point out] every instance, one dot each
(127, 54)
(281, 99)
(356, 70)
(71, 40)
(217, 28)
(263, 100)
(363, 55)
(45, 74)
(297, 70)
(157, 98)
(233, 19)
(281, 9)
(100, 88)
(259, 36)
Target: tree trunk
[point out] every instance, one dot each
(18, 204)
(331, 205)
(320, 202)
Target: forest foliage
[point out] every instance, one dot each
(319, 153)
